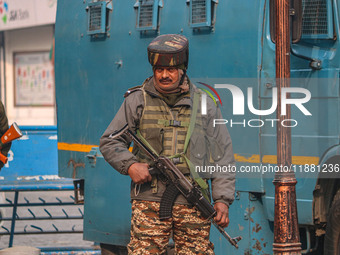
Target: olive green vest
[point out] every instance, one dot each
(165, 130)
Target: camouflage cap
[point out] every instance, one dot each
(169, 50)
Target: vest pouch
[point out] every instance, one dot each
(198, 149)
(217, 150)
(155, 137)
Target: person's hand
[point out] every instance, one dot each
(222, 216)
(139, 173)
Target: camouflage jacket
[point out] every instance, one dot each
(116, 151)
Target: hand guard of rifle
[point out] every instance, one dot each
(178, 184)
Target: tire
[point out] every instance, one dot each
(332, 237)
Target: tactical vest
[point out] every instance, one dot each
(165, 130)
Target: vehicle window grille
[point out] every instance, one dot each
(95, 18)
(98, 17)
(146, 14)
(202, 13)
(199, 11)
(315, 18)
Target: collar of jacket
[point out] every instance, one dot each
(151, 90)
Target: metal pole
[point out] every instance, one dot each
(286, 230)
(14, 215)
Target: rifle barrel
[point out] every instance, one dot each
(233, 241)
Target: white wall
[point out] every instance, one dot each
(25, 40)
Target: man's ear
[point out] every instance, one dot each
(181, 76)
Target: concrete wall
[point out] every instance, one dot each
(25, 40)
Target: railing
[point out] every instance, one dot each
(46, 209)
(38, 202)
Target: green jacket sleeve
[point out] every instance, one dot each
(222, 183)
(116, 151)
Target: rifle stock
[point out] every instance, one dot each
(178, 184)
(11, 134)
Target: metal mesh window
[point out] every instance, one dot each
(95, 18)
(199, 11)
(146, 13)
(98, 20)
(147, 18)
(202, 13)
(317, 19)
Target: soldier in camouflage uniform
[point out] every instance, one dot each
(161, 112)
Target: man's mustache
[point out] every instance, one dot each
(165, 80)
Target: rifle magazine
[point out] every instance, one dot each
(167, 201)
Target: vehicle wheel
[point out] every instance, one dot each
(332, 237)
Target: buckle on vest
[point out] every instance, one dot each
(175, 123)
(176, 160)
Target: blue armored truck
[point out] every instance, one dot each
(101, 52)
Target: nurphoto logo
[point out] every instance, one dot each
(239, 105)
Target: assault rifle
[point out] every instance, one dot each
(178, 184)
(11, 134)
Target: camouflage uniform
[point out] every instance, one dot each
(149, 234)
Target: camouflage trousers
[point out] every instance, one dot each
(150, 235)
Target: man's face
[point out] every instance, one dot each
(166, 77)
